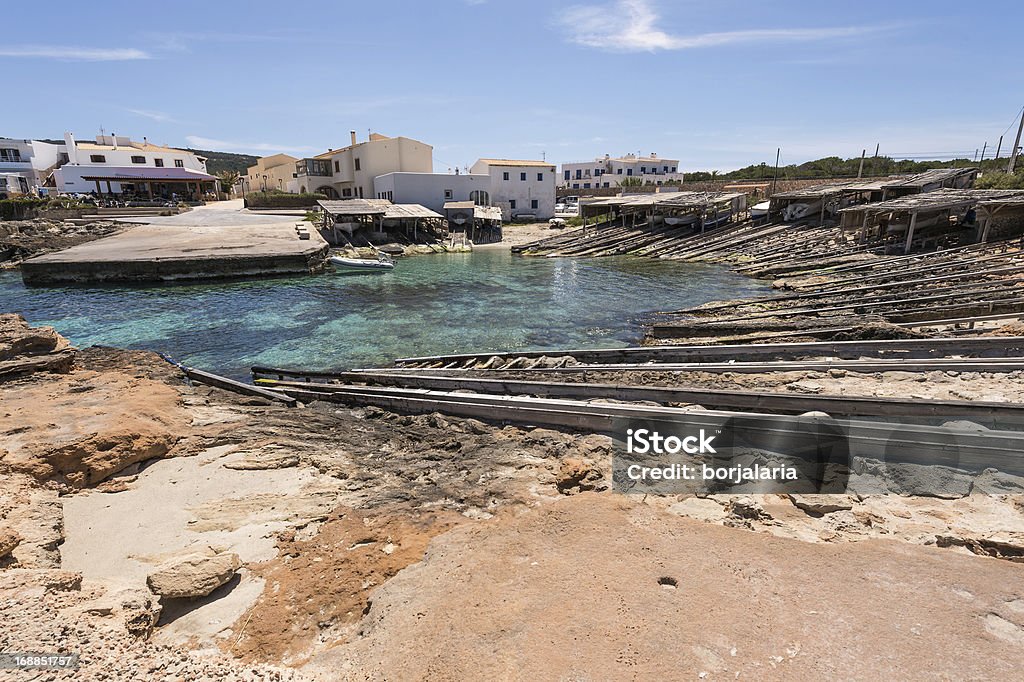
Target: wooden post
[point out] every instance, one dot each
(864, 228)
(984, 229)
(999, 147)
(149, 189)
(1016, 147)
(109, 189)
(910, 232)
(860, 171)
(98, 190)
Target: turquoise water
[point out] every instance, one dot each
(446, 303)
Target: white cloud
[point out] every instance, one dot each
(231, 146)
(631, 26)
(73, 54)
(158, 116)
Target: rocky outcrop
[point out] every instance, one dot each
(25, 349)
(9, 539)
(193, 575)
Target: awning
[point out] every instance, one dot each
(130, 174)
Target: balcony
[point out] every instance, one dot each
(313, 167)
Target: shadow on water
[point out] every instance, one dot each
(446, 303)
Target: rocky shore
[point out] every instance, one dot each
(163, 530)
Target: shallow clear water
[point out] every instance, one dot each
(446, 303)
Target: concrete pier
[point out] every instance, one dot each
(210, 242)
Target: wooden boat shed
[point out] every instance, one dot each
(933, 217)
(481, 223)
(832, 196)
(349, 215)
(929, 181)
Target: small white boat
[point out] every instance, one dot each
(360, 265)
(760, 211)
(800, 211)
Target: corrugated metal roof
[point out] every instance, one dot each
(929, 177)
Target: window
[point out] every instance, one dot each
(337, 167)
(159, 163)
(449, 194)
(605, 184)
(664, 169)
(10, 155)
(619, 171)
(178, 163)
(629, 171)
(522, 177)
(533, 203)
(598, 171)
(575, 185)
(356, 162)
(567, 174)
(346, 192)
(673, 169)
(360, 192)
(643, 170)
(97, 158)
(504, 176)
(138, 159)
(540, 177)
(579, 173)
(480, 197)
(512, 203)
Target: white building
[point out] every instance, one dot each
(25, 164)
(349, 172)
(116, 165)
(522, 189)
(433, 190)
(607, 171)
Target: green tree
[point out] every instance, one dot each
(228, 179)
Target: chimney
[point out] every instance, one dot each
(69, 141)
(113, 137)
(352, 134)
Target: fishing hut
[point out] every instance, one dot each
(814, 205)
(375, 218)
(482, 224)
(940, 218)
(929, 181)
(699, 210)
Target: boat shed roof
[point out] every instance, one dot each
(939, 200)
(929, 177)
(355, 207)
(487, 212)
(409, 211)
(831, 189)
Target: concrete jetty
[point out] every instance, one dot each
(211, 242)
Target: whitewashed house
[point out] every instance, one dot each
(349, 172)
(608, 171)
(117, 165)
(25, 165)
(433, 190)
(524, 190)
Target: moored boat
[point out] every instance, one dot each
(361, 265)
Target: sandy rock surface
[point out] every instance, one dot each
(597, 586)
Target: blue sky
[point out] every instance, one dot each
(717, 84)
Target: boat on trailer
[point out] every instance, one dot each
(354, 266)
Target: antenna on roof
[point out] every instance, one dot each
(543, 156)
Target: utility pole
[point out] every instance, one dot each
(983, 148)
(1016, 146)
(975, 155)
(999, 147)
(860, 171)
(775, 180)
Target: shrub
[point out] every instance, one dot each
(17, 209)
(1000, 181)
(281, 200)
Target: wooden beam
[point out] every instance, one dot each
(910, 232)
